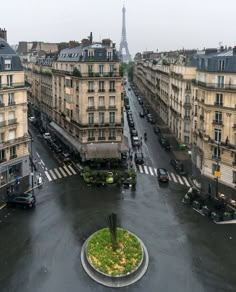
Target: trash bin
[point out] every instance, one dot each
(182, 146)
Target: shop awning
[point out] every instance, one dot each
(68, 139)
(102, 150)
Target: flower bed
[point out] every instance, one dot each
(126, 257)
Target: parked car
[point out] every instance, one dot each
(150, 119)
(166, 145)
(131, 123)
(57, 148)
(138, 158)
(178, 166)
(32, 119)
(135, 141)
(47, 136)
(22, 200)
(156, 130)
(41, 130)
(65, 157)
(162, 140)
(140, 100)
(162, 175)
(133, 132)
(141, 114)
(129, 89)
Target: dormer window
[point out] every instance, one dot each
(221, 65)
(7, 64)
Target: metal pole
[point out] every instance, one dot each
(31, 162)
(217, 179)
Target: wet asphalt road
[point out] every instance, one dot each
(40, 248)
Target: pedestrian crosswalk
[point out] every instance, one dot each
(60, 172)
(172, 176)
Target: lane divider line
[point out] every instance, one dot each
(48, 176)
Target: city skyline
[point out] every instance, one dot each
(164, 25)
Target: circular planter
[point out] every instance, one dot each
(113, 278)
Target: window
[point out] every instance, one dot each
(90, 118)
(9, 80)
(101, 69)
(13, 151)
(187, 113)
(101, 86)
(69, 83)
(111, 68)
(112, 101)
(90, 134)
(187, 99)
(90, 69)
(101, 118)
(2, 137)
(186, 139)
(101, 134)
(219, 99)
(11, 118)
(0, 81)
(12, 134)
(218, 117)
(91, 102)
(221, 65)
(112, 85)
(220, 81)
(187, 127)
(2, 155)
(7, 64)
(217, 135)
(90, 86)
(101, 101)
(112, 118)
(112, 134)
(195, 110)
(11, 99)
(234, 177)
(2, 117)
(109, 55)
(216, 153)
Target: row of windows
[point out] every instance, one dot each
(101, 101)
(101, 118)
(11, 136)
(12, 152)
(7, 80)
(101, 134)
(10, 99)
(11, 115)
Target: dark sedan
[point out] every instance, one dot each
(138, 157)
(22, 200)
(178, 166)
(162, 175)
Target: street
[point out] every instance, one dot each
(40, 248)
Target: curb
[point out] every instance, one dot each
(2, 205)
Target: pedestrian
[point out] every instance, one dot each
(209, 190)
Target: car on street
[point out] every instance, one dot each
(150, 119)
(135, 141)
(178, 166)
(26, 200)
(65, 157)
(56, 147)
(141, 114)
(32, 119)
(140, 100)
(47, 136)
(166, 145)
(131, 123)
(129, 89)
(162, 175)
(138, 158)
(162, 140)
(133, 132)
(156, 130)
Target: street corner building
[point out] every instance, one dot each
(14, 154)
(78, 96)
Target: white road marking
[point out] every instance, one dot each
(145, 169)
(186, 181)
(57, 172)
(62, 171)
(37, 154)
(151, 172)
(155, 171)
(140, 168)
(72, 169)
(67, 170)
(52, 174)
(42, 162)
(48, 176)
(173, 177)
(169, 176)
(180, 180)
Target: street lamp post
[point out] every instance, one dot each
(31, 160)
(217, 171)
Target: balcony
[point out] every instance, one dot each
(3, 159)
(13, 156)
(12, 122)
(3, 124)
(202, 117)
(91, 108)
(101, 90)
(113, 107)
(217, 122)
(112, 138)
(2, 104)
(14, 85)
(112, 90)
(91, 138)
(218, 104)
(216, 85)
(187, 117)
(216, 158)
(90, 90)
(187, 105)
(234, 163)
(101, 138)
(101, 107)
(12, 103)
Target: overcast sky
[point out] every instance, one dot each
(150, 24)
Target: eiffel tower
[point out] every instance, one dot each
(125, 56)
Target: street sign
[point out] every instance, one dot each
(217, 173)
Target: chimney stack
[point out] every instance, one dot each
(3, 34)
(234, 50)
